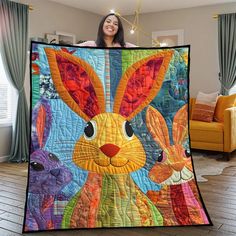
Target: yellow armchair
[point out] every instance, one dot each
(219, 135)
(230, 129)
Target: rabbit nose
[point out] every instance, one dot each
(178, 166)
(55, 172)
(109, 149)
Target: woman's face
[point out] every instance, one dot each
(110, 26)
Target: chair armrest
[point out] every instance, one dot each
(230, 129)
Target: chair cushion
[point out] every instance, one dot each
(206, 132)
(204, 107)
(201, 125)
(223, 103)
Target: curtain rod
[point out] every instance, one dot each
(215, 16)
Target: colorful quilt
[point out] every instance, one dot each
(109, 139)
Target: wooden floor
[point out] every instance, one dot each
(219, 194)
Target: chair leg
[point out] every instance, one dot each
(227, 155)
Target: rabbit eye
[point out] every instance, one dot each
(36, 166)
(90, 130)
(187, 153)
(128, 130)
(53, 157)
(160, 157)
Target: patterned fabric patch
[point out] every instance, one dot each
(109, 140)
(47, 88)
(77, 82)
(59, 207)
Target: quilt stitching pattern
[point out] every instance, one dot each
(109, 139)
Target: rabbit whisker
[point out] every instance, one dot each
(86, 155)
(136, 162)
(90, 146)
(130, 144)
(84, 159)
(85, 150)
(131, 151)
(86, 143)
(133, 159)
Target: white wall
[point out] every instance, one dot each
(200, 31)
(48, 17)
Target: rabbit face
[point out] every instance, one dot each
(109, 145)
(47, 174)
(173, 164)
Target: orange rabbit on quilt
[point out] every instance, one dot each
(174, 171)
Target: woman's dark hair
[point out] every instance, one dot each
(118, 38)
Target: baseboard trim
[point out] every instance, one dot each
(3, 159)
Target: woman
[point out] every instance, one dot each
(110, 33)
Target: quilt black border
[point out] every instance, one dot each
(97, 228)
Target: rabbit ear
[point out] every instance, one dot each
(77, 83)
(156, 125)
(180, 125)
(41, 123)
(140, 84)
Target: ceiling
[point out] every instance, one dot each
(127, 7)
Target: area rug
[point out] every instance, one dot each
(208, 163)
(109, 139)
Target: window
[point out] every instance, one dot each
(5, 97)
(233, 90)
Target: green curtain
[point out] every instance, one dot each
(227, 51)
(13, 46)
